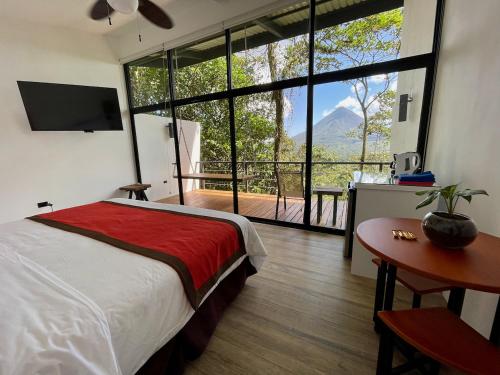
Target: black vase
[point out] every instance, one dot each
(451, 231)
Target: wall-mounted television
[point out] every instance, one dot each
(59, 107)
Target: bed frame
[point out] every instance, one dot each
(192, 340)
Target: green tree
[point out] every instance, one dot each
(365, 41)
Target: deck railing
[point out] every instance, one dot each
(337, 173)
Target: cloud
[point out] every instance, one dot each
(351, 103)
(287, 107)
(326, 112)
(378, 78)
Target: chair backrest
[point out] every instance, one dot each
(290, 184)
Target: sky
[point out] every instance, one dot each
(327, 97)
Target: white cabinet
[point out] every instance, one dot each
(382, 200)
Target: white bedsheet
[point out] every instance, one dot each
(142, 300)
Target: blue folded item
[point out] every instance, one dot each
(418, 177)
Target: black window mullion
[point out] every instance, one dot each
(161, 106)
(392, 66)
(430, 76)
(132, 124)
(309, 116)
(232, 126)
(171, 89)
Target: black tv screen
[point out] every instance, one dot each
(52, 106)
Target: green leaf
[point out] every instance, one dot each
(469, 193)
(428, 200)
(468, 198)
(423, 192)
(448, 191)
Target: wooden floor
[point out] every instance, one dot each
(303, 313)
(263, 206)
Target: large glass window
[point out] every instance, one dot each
(388, 35)
(205, 153)
(149, 80)
(200, 68)
(358, 126)
(271, 158)
(271, 48)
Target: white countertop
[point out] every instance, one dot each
(393, 187)
(382, 181)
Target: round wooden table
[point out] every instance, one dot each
(477, 266)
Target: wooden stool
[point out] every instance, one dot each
(138, 190)
(440, 335)
(320, 191)
(417, 284)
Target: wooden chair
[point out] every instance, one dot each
(440, 335)
(290, 184)
(417, 284)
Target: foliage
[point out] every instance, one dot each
(259, 118)
(450, 196)
(364, 41)
(148, 85)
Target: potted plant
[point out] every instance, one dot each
(449, 229)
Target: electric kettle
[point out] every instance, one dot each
(405, 163)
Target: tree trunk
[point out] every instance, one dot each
(278, 100)
(365, 137)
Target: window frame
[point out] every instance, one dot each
(427, 61)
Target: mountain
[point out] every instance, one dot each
(331, 132)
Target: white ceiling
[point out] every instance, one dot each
(70, 13)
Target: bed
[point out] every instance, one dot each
(74, 304)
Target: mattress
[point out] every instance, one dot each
(138, 302)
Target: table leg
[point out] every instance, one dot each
(130, 194)
(390, 287)
(495, 329)
(417, 301)
(144, 197)
(379, 293)
(385, 352)
(319, 208)
(334, 221)
(456, 300)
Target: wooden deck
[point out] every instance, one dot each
(263, 206)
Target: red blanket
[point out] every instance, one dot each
(198, 248)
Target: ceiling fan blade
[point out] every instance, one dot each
(100, 10)
(155, 14)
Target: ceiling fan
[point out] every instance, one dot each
(104, 8)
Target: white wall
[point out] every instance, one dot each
(416, 38)
(190, 151)
(157, 154)
(464, 140)
(66, 168)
